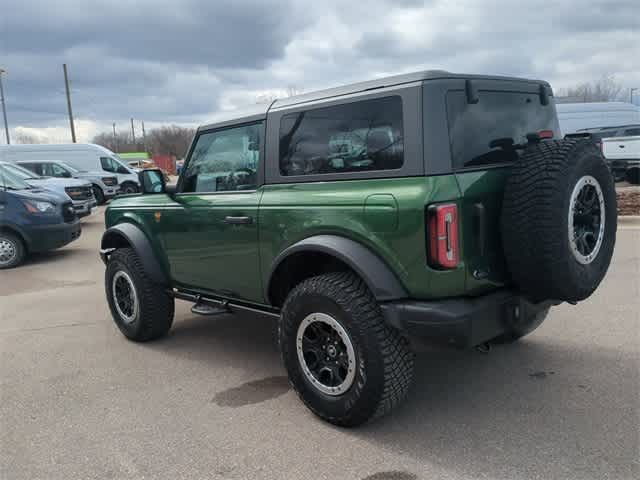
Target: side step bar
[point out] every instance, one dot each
(213, 306)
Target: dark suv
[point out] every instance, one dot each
(32, 220)
(430, 205)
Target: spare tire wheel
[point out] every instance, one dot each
(559, 220)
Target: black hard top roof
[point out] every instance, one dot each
(259, 111)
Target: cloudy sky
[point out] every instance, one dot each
(185, 61)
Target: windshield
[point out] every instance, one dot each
(11, 181)
(21, 172)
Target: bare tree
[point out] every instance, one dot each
(606, 89)
(269, 97)
(170, 140)
(165, 140)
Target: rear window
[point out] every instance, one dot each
(483, 133)
(352, 137)
(631, 132)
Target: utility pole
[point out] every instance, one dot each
(66, 85)
(4, 108)
(133, 133)
(115, 139)
(144, 136)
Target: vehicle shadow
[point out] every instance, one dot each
(58, 255)
(533, 409)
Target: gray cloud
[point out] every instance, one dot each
(184, 61)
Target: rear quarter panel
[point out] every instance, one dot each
(289, 213)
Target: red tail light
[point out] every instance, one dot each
(545, 134)
(442, 235)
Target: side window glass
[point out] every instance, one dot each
(630, 132)
(107, 164)
(351, 137)
(226, 160)
(46, 169)
(58, 171)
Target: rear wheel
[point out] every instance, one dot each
(12, 251)
(141, 309)
(346, 364)
(128, 188)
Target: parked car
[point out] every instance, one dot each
(78, 191)
(32, 219)
(430, 205)
(574, 117)
(104, 187)
(623, 153)
(83, 156)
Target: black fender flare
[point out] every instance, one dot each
(380, 279)
(130, 234)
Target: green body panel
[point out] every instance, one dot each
(482, 189)
(201, 252)
(386, 215)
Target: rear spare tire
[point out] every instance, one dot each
(559, 220)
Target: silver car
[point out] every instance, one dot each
(79, 191)
(105, 186)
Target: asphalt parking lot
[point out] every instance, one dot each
(211, 400)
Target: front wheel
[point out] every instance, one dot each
(141, 309)
(12, 251)
(99, 195)
(346, 364)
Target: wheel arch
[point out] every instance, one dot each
(18, 233)
(323, 253)
(129, 235)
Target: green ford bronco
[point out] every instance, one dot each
(431, 205)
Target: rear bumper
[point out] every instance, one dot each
(48, 237)
(460, 322)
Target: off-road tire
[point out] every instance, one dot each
(97, 192)
(632, 176)
(156, 306)
(535, 220)
(384, 360)
(19, 250)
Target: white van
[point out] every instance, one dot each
(574, 117)
(83, 156)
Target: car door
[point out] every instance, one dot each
(211, 237)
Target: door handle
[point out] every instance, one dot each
(620, 146)
(238, 220)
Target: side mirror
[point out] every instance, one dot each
(66, 174)
(123, 170)
(152, 181)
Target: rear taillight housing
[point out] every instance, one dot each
(442, 236)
